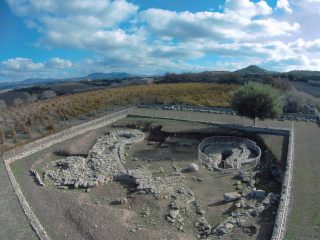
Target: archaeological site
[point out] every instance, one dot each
(138, 177)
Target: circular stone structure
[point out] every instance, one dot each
(227, 153)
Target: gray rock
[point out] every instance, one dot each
(260, 208)
(228, 226)
(174, 214)
(192, 168)
(37, 177)
(259, 193)
(229, 197)
(246, 179)
(121, 201)
(221, 231)
(253, 212)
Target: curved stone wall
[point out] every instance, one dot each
(239, 158)
(279, 229)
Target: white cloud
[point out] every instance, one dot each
(73, 23)
(58, 63)
(246, 8)
(15, 69)
(123, 38)
(237, 22)
(21, 64)
(284, 4)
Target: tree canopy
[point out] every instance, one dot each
(255, 100)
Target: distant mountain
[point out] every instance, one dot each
(252, 69)
(112, 75)
(92, 76)
(32, 81)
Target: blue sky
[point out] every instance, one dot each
(58, 38)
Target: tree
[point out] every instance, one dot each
(255, 100)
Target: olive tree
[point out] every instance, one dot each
(255, 100)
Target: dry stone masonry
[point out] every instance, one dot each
(226, 154)
(313, 115)
(249, 204)
(43, 143)
(105, 159)
(279, 229)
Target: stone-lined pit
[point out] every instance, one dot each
(227, 154)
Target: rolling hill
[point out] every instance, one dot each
(252, 69)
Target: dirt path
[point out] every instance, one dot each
(13, 223)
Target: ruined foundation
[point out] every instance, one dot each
(227, 154)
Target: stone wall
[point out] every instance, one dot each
(38, 145)
(33, 220)
(208, 161)
(23, 151)
(279, 229)
(48, 141)
(282, 214)
(230, 111)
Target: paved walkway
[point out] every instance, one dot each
(13, 223)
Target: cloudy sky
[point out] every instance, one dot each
(59, 38)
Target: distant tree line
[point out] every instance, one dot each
(275, 80)
(207, 77)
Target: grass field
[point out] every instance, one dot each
(11, 212)
(304, 218)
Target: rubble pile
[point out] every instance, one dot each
(249, 202)
(105, 159)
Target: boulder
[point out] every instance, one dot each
(174, 214)
(121, 201)
(221, 231)
(241, 175)
(258, 193)
(192, 168)
(232, 196)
